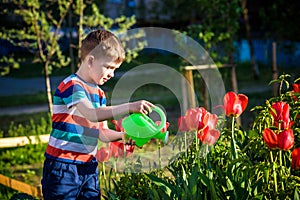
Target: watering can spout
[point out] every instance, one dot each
(141, 128)
(163, 136)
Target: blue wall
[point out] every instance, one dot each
(288, 54)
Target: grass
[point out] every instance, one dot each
(18, 100)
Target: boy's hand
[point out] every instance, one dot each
(142, 106)
(128, 140)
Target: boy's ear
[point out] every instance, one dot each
(90, 60)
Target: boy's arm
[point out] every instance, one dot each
(109, 135)
(108, 112)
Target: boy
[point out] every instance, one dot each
(78, 121)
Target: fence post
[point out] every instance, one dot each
(191, 95)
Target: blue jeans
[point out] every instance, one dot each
(70, 181)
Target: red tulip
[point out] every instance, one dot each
(296, 87)
(118, 125)
(182, 126)
(286, 139)
(117, 149)
(129, 149)
(270, 138)
(208, 136)
(194, 118)
(234, 104)
(165, 128)
(103, 154)
(281, 114)
(296, 158)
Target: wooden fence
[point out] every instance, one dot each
(188, 73)
(20, 186)
(23, 140)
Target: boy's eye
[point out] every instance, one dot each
(110, 67)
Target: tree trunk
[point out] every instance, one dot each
(80, 31)
(48, 87)
(274, 70)
(71, 52)
(248, 35)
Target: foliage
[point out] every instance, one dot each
(40, 33)
(215, 27)
(275, 17)
(26, 126)
(29, 154)
(255, 172)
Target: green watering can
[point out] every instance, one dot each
(141, 128)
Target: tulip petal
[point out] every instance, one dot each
(229, 100)
(286, 139)
(243, 100)
(296, 158)
(270, 138)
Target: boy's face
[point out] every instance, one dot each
(101, 70)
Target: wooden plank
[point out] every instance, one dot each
(23, 140)
(20, 186)
(203, 67)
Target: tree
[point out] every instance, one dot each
(40, 33)
(217, 30)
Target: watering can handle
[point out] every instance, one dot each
(162, 118)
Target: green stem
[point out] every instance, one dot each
(207, 157)
(274, 172)
(104, 174)
(281, 167)
(159, 156)
(233, 144)
(115, 166)
(197, 147)
(185, 144)
(125, 155)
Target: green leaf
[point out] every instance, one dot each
(204, 179)
(164, 185)
(296, 194)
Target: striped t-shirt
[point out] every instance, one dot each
(74, 138)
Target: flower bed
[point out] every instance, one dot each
(224, 161)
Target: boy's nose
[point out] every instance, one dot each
(111, 74)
